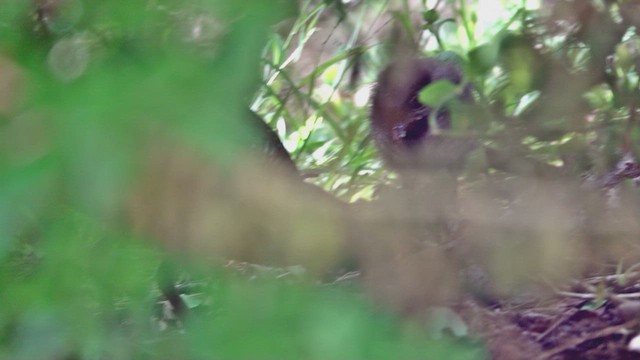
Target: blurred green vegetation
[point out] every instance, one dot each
(86, 87)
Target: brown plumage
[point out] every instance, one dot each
(405, 237)
(400, 123)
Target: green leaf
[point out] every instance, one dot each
(438, 92)
(25, 190)
(525, 102)
(483, 58)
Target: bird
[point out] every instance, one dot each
(400, 123)
(404, 237)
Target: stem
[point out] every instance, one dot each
(462, 11)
